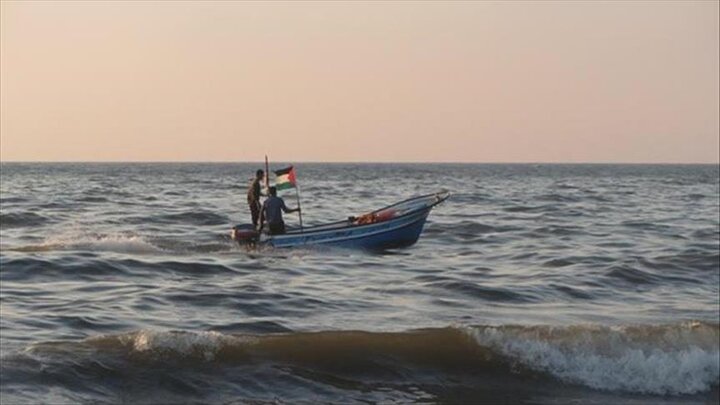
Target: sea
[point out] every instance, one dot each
(532, 283)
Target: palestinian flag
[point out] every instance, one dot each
(285, 178)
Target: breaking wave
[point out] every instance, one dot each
(674, 359)
(668, 359)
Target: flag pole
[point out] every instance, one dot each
(297, 195)
(267, 177)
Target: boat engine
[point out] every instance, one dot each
(244, 234)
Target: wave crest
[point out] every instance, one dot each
(672, 359)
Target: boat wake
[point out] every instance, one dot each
(128, 243)
(117, 243)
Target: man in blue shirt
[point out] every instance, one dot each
(271, 213)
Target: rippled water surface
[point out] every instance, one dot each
(532, 283)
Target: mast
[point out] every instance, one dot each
(297, 195)
(267, 177)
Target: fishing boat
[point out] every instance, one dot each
(397, 225)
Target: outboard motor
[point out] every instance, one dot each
(245, 235)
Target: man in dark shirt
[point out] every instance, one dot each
(272, 211)
(253, 197)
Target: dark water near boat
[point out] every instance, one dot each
(532, 283)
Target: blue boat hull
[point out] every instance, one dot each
(386, 235)
(397, 225)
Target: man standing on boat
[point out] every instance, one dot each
(253, 197)
(271, 213)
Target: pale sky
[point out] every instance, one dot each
(569, 81)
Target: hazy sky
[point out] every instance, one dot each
(570, 81)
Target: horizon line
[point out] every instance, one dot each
(361, 162)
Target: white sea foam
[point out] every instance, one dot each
(682, 359)
(205, 345)
(118, 243)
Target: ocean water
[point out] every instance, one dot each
(531, 284)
